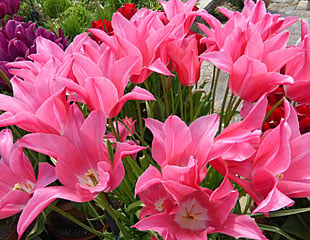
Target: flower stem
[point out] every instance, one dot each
(76, 221)
(272, 109)
(102, 202)
(140, 121)
(165, 95)
(181, 100)
(6, 79)
(115, 133)
(215, 79)
(231, 114)
(191, 103)
(223, 107)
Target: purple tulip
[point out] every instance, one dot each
(17, 41)
(3, 10)
(8, 7)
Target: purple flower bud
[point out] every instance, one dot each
(16, 48)
(11, 6)
(17, 40)
(3, 10)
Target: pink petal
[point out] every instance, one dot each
(41, 198)
(158, 145)
(149, 177)
(159, 67)
(177, 140)
(6, 144)
(274, 152)
(13, 202)
(294, 189)
(220, 59)
(136, 94)
(46, 175)
(122, 150)
(240, 226)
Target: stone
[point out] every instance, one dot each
(303, 5)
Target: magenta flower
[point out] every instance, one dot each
(83, 164)
(253, 64)
(17, 41)
(184, 58)
(274, 174)
(299, 91)
(18, 180)
(251, 48)
(176, 144)
(136, 38)
(39, 104)
(177, 210)
(101, 85)
(238, 141)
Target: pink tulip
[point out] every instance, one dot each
(141, 36)
(123, 131)
(298, 68)
(237, 142)
(181, 13)
(39, 103)
(274, 174)
(18, 180)
(184, 57)
(173, 8)
(176, 144)
(253, 64)
(268, 24)
(179, 211)
(83, 164)
(104, 89)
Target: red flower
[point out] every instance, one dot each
(104, 25)
(128, 10)
(303, 113)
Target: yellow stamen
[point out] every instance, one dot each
(91, 175)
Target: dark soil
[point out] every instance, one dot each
(64, 228)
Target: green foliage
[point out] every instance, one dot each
(74, 20)
(53, 8)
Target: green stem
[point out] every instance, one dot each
(140, 121)
(76, 221)
(215, 87)
(115, 133)
(165, 95)
(231, 114)
(172, 101)
(181, 100)
(272, 109)
(102, 201)
(191, 103)
(223, 107)
(6, 79)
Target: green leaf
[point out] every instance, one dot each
(298, 225)
(134, 205)
(282, 213)
(38, 227)
(275, 230)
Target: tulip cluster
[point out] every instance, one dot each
(9, 7)
(75, 106)
(18, 41)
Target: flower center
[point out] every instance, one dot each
(279, 176)
(24, 187)
(159, 205)
(191, 215)
(90, 178)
